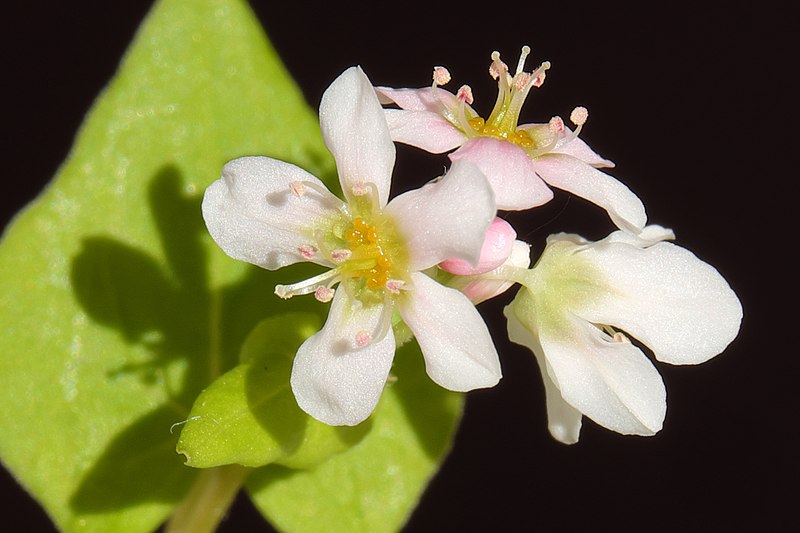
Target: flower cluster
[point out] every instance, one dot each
(421, 261)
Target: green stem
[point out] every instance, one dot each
(208, 500)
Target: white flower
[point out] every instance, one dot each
(578, 299)
(271, 213)
(519, 160)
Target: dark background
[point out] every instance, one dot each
(692, 103)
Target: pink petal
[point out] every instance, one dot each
(334, 379)
(495, 250)
(355, 131)
(509, 170)
(458, 350)
(424, 99)
(581, 179)
(479, 289)
(447, 218)
(253, 215)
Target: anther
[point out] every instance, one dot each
(579, 116)
(621, 338)
(340, 255)
(540, 74)
(497, 67)
(521, 81)
(360, 188)
(324, 294)
(297, 188)
(363, 338)
(464, 94)
(394, 285)
(556, 125)
(307, 251)
(441, 76)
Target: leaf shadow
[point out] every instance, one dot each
(167, 306)
(428, 407)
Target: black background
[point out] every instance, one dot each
(692, 103)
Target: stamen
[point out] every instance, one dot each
(579, 116)
(441, 76)
(394, 285)
(297, 188)
(621, 338)
(307, 251)
(364, 188)
(497, 68)
(363, 338)
(556, 125)
(308, 286)
(521, 81)
(539, 74)
(524, 55)
(464, 94)
(556, 128)
(324, 294)
(341, 255)
(360, 188)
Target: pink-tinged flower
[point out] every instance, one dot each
(496, 248)
(271, 213)
(579, 298)
(519, 160)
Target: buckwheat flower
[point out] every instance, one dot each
(520, 161)
(577, 306)
(272, 213)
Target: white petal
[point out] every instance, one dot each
(613, 383)
(573, 175)
(649, 236)
(254, 216)
(333, 379)
(424, 129)
(563, 420)
(355, 131)
(445, 219)
(677, 305)
(458, 350)
(509, 170)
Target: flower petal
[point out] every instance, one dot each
(424, 129)
(335, 380)
(481, 288)
(573, 175)
(458, 350)
(495, 251)
(567, 144)
(676, 304)
(439, 101)
(509, 170)
(613, 383)
(445, 219)
(563, 420)
(253, 215)
(355, 131)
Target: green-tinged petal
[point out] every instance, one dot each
(373, 486)
(116, 308)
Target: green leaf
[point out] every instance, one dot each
(374, 485)
(116, 308)
(249, 415)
